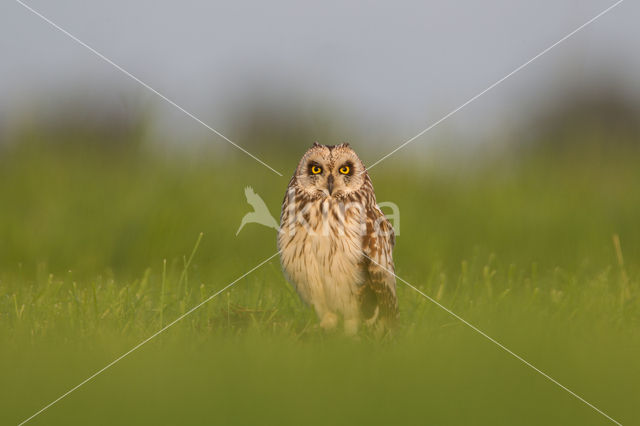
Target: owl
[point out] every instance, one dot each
(335, 243)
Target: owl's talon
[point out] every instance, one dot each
(351, 326)
(329, 321)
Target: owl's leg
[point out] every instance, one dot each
(351, 326)
(328, 320)
(351, 316)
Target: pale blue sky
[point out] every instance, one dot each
(392, 67)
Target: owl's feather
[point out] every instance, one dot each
(378, 294)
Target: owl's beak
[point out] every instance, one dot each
(330, 184)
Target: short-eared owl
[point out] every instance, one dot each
(335, 243)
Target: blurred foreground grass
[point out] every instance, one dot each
(95, 251)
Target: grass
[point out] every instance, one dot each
(99, 250)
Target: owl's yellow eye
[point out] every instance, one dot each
(345, 170)
(316, 170)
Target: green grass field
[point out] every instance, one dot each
(97, 254)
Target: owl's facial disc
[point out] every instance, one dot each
(330, 171)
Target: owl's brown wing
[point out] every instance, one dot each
(378, 294)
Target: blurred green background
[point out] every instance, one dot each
(118, 212)
(534, 239)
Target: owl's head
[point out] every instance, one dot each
(330, 171)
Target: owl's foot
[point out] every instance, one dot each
(351, 326)
(329, 321)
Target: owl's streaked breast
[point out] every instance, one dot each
(321, 251)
